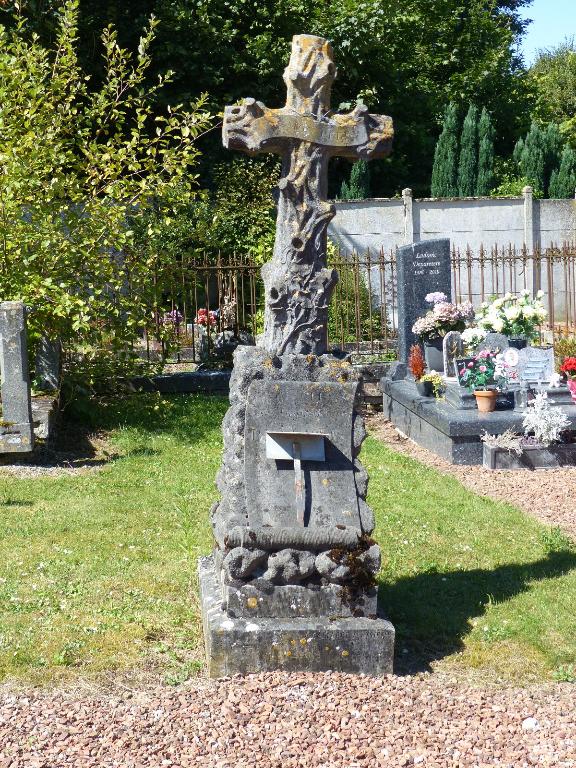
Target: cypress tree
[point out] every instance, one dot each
(485, 180)
(553, 145)
(517, 153)
(358, 188)
(533, 158)
(344, 191)
(446, 156)
(467, 167)
(563, 181)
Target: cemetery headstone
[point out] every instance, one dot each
(452, 348)
(535, 365)
(421, 268)
(493, 342)
(290, 584)
(16, 428)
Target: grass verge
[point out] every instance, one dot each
(97, 570)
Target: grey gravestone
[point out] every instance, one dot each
(291, 582)
(535, 364)
(452, 348)
(493, 342)
(422, 268)
(48, 364)
(16, 430)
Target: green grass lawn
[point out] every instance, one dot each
(97, 570)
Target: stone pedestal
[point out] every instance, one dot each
(282, 591)
(313, 644)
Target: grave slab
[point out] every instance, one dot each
(452, 433)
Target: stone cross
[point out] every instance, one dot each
(306, 134)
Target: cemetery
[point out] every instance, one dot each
(287, 452)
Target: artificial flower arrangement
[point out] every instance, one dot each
(205, 317)
(568, 367)
(472, 337)
(428, 384)
(543, 425)
(513, 315)
(442, 318)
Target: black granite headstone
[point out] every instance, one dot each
(422, 268)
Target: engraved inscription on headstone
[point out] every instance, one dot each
(422, 268)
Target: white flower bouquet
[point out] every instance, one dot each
(513, 315)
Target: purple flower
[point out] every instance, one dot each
(435, 297)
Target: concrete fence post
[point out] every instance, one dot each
(529, 236)
(17, 429)
(408, 215)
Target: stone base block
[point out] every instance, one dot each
(314, 644)
(263, 599)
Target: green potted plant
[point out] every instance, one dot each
(479, 376)
(444, 316)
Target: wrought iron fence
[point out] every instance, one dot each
(206, 303)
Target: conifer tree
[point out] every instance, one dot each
(553, 146)
(444, 181)
(533, 158)
(358, 188)
(517, 153)
(467, 166)
(563, 181)
(485, 180)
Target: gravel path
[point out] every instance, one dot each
(281, 720)
(549, 495)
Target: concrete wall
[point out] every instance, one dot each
(468, 222)
(383, 224)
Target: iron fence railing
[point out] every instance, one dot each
(203, 301)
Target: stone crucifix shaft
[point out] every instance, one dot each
(305, 133)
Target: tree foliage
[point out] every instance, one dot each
(76, 165)
(468, 163)
(553, 76)
(444, 171)
(563, 180)
(485, 179)
(406, 58)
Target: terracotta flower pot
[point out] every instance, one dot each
(486, 400)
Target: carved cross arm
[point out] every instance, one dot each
(252, 127)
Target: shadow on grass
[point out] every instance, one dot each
(431, 611)
(189, 417)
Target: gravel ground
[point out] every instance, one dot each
(330, 720)
(548, 494)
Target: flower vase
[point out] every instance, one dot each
(517, 342)
(486, 400)
(572, 387)
(425, 388)
(434, 354)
